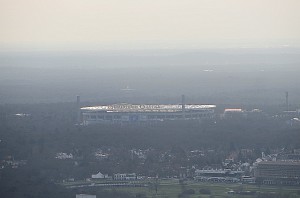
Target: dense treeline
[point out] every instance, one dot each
(23, 182)
(50, 128)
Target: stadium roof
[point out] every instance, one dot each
(146, 108)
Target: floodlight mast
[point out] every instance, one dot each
(183, 105)
(287, 100)
(78, 109)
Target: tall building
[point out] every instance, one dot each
(278, 172)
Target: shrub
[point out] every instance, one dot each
(205, 191)
(140, 195)
(189, 192)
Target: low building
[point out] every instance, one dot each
(125, 176)
(221, 175)
(248, 180)
(233, 113)
(277, 173)
(85, 196)
(100, 176)
(64, 156)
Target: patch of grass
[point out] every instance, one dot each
(171, 189)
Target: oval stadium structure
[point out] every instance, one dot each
(130, 113)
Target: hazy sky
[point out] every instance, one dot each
(117, 24)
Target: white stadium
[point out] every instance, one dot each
(130, 113)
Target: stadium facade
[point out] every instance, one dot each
(131, 113)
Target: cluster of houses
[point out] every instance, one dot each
(10, 162)
(268, 169)
(272, 169)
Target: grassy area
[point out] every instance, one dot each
(172, 189)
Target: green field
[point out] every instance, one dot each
(172, 189)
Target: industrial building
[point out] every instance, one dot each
(278, 172)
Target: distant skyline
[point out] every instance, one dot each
(145, 24)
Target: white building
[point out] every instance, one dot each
(125, 176)
(129, 113)
(233, 113)
(100, 176)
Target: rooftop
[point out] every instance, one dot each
(233, 110)
(146, 107)
(296, 163)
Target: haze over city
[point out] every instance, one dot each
(132, 24)
(140, 99)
